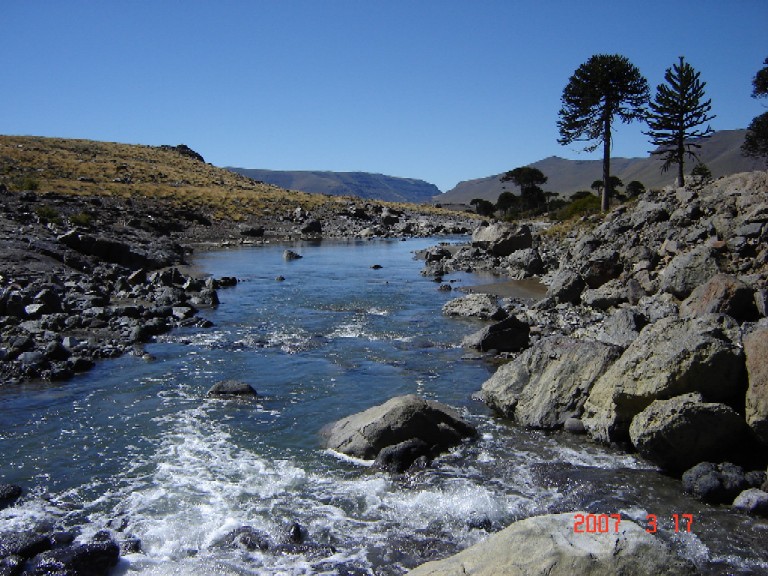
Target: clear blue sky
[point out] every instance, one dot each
(440, 90)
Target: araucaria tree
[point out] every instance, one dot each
(756, 140)
(675, 115)
(605, 87)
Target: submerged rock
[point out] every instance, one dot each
(549, 545)
(401, 419)
(232, 388)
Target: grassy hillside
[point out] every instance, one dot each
(87, 167)
(91, 168)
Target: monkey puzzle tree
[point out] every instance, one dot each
(604, 87)
(756, 140)
(675, 115)
(529, 180)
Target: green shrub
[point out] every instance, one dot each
(82, 219)
(25, 183)
(580, 207)
(47, 214)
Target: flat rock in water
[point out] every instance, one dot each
(550, 546)
(403, 418)
(232, 388)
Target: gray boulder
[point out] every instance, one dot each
(502, 239)
(548, 383)
(684, 430)
(752, 501)
(231, 388)
(549, 546)
(509, 335)
(525, 263)
(756, 410)
(566, 286)
(483, 306)
(688, 270)
(622, 327)
(722, 294)
(669, 358)
(715, 483)
(608, 295)
(403, 418)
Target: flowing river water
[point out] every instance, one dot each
(136, 447)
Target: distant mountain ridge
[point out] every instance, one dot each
(362, 184)
(721, 153)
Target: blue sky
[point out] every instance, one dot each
(439, 90)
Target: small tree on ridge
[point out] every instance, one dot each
(675, 113)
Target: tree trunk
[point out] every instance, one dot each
(680, 159)
(606, 165)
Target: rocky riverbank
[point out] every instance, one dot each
(91, 277)
(653, 335)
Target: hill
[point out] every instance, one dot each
(721, 153)
(362, 184)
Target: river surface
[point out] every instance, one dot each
(135, 446)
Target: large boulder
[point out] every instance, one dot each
(756, 411)
(722, 294)
(509, 335)
(671, 357)
(566, 286)
(502, 239)
(549, 545)
(483, 306)
(752, 501)
(403, 418)
(688, 270)
(683, 431)
(549, 382)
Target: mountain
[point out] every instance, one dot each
(721, 153)
(362, 184)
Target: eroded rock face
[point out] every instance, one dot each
(756, 410)
(549, 382)
(669, 358)
(683, 431)
(548, 545)
(403, 418)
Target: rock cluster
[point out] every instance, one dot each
(653, 333)
(75, 289)
(47, 553)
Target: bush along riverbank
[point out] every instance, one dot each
(653, 333)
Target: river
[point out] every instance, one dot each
(136, 447)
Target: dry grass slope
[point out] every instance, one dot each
(91, 168)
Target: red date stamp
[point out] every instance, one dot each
(605, 523)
